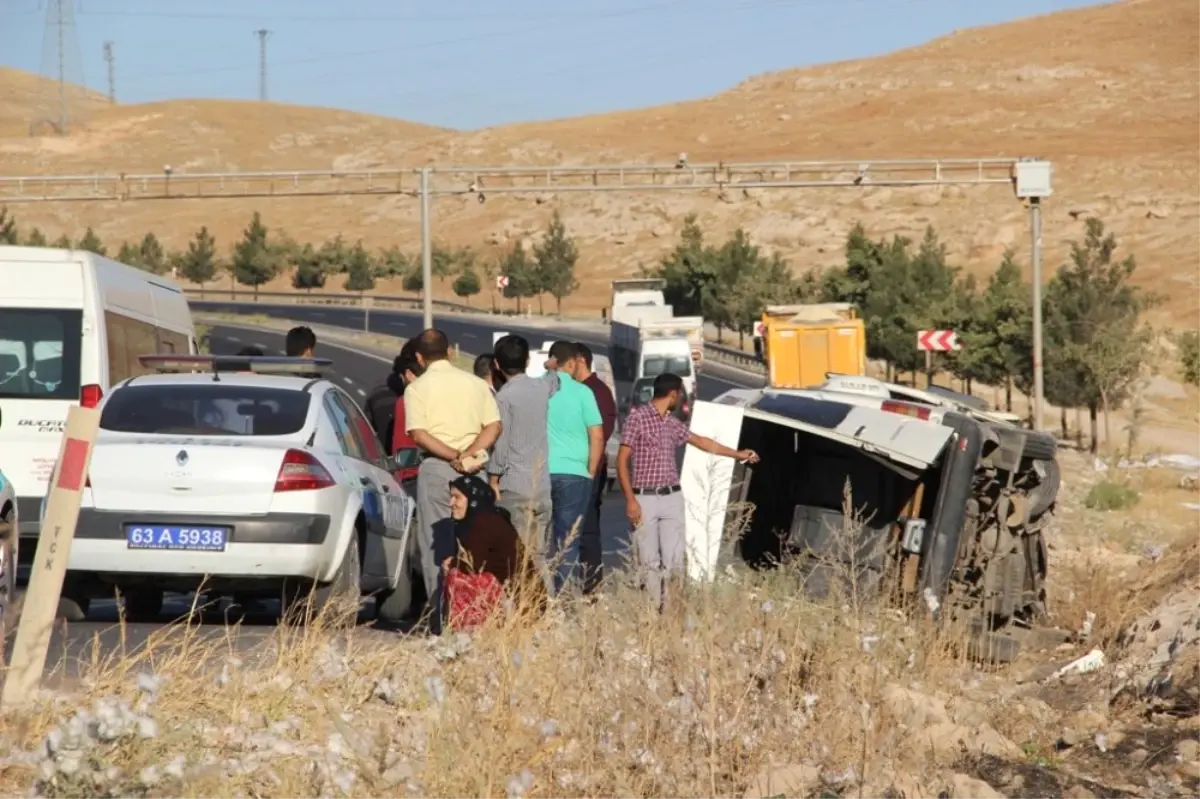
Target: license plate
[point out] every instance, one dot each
(194, 538)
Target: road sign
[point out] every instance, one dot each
(759, 329)
(502, 282)
(937, 340)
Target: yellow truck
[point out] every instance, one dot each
(801, 343)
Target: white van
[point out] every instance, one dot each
(72, 324)
(661, 355)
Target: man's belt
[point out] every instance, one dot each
(661, 491)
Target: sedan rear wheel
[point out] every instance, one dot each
(304, 601)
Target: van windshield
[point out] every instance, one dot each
(655, 365)
(39, 353)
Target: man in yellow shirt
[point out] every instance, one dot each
(452, 416)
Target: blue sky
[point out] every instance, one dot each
(467, 63)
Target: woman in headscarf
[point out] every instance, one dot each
(490, 554)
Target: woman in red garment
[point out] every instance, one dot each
(490, 555)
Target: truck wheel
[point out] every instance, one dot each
(1040, 446)
(304, 606)
(1043, 496)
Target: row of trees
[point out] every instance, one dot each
(259, 257)
(1095, 343)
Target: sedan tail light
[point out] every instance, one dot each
(301, 471)
(90, 395)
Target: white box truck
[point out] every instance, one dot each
(646, 339)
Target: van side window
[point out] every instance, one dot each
(128, 339)
(170, 342)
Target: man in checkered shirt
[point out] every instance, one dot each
(649, 478)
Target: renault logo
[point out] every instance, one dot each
(182, 457)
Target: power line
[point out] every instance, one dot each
(262, 34)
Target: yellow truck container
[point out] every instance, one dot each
(801, 343)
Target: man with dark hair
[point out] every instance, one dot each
(576, 437)
(452, 416)
(486, 371)
(379, 406)
(591, 550)
(403, 448)
(301, 342)
(519, 470)
(649, 478)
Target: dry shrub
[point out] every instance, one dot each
(601, 698)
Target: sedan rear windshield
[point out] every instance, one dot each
(211, 409)
(39, 353)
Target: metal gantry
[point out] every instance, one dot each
(1029, 178)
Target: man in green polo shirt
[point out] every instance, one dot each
(576, 439)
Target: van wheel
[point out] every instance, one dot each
(304, 601)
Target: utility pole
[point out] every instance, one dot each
(262, 34)
(426, 253)
(1035, 257)
(112, 72)
(62, 68)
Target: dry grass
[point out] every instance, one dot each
(610, 699)
(737, 680)
(1107, 92)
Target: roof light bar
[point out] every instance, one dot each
(259, 364)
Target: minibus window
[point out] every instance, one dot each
(39, 353)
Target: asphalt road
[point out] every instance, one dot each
(101, 637)
(472, 334)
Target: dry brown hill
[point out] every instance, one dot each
(1109, 93)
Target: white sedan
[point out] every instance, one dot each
(9, 543)
(252, 478)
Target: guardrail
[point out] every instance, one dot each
(729, 355)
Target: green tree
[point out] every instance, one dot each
(414, 280)
(392, 263)
(1189, 356)
(198, 263)
(466, 285)
(91, 243)
(35, 238)
(360, 270)
(998, 344)
(1095, 342)
(253, 263)
(153, 257)
(516, 266)
(63, 242)
(310, 269)
(689, 271)
(8, 228)
(441, 262)
(555, 260)
(335, 256)
(130, 254)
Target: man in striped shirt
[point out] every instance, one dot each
(649, 478)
